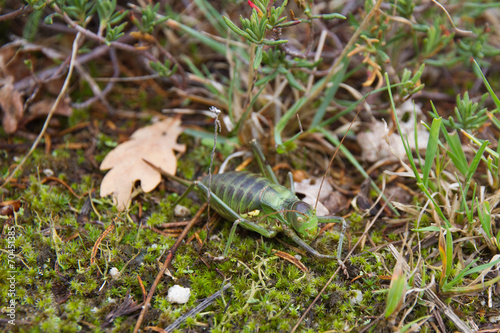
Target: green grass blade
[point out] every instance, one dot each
(494, 120)
(412, 324)
(329, 95)
(456, 153)
(213, 16)
(216, 46)
(430, 153)
(468, 211)
(477, 288)
(353, 105)
(432, 228)
(473, 166)
(397, 291)
(479, 143)
(467, 271)
(485, 216)
(449, 252)
(475, 162)
(487, 84)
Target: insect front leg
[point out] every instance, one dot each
(247, 224)
(337, 219)
(290, 233)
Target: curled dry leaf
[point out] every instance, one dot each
(156, 144)
(377, 144)
(42, 108)
(309, 188)
(12, 106)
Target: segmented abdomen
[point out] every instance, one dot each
(243, 192)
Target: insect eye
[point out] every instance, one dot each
(300, 219)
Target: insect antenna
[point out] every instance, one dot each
(336, 150)
(217, 129)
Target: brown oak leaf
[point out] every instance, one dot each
(156, 144)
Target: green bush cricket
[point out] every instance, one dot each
(261, 204)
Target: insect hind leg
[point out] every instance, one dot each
(183, 195)
(265, 168)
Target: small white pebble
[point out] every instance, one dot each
(298, 257)
(115, 273)
(48, 172)
(357, 297)
(181, 211)
(178, 294)
(154, 246)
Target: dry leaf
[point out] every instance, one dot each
(309, 188)
(43, 107)
(12, 106)
(377, 144)
(155, 144)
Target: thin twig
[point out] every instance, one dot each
(27, 9)
(103, 40)
(465, 32)
(170, 255)
(62, 182)
(99, 241)
(127, 79)
(98, 93)
(49, 73)
(51, 112)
